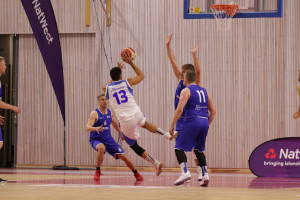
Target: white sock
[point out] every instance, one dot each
(199, 170)
(150, 159)
(183, 167)
(160, 131)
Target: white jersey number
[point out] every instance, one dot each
(201, 94)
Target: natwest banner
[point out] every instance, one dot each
(277, 158)
(42, 20)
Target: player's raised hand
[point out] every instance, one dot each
(296, 115)
(127, 58)
(121, 65)
(195, 49)
(168, 41)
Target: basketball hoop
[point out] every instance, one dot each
(223, 14)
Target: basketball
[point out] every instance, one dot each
(130, 51)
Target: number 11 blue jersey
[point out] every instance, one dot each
(197, 105)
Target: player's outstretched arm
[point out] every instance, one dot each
(197, 65)
(139, 73)
(4, 105)
(184, 97)
(171, 56)
(297, 114)
(211, 108)
(92, 119)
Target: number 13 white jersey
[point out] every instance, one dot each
(121, 99)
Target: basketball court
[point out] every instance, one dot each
(249, 54)
(52, 184)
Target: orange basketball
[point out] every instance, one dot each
(130, 51)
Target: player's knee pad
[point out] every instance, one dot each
(180, 155)
(201, 157)
(137, 149)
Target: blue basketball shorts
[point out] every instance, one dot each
(193, 134)
(129, 141)
(179, 124)
(111, 146)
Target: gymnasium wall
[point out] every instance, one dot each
(251, 73)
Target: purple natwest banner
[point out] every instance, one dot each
(42, 20)
(277, 158)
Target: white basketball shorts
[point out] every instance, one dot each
(130, 127)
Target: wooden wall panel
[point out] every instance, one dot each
(69, 15)
(251, 73)
(40, 126)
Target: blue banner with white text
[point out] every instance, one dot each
(43, 23)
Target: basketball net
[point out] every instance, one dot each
(223, 15)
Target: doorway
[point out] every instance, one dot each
(8, 50)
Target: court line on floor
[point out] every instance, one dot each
(81, 172)
(99, 186)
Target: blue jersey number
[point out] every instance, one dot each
(123, 97)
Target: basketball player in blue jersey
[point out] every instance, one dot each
(120, 95)
(199, 112)
(297, 114)
(179, 75)
(101, 140)
(4, 105)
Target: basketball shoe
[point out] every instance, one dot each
(205, 180)
(97, 175)
(157, 166)
(138, 177)
(2, 180)
(183, 178)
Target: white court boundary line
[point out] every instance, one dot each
(99, 186)
(91, 172)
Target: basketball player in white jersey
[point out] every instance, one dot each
(297, 114)
(4, 105)
(120, 95)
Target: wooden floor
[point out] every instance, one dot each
(59, 184)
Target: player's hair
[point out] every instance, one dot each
(188, 67)
(2, 58)
(115, 73)
(100, 95)
(190, 75)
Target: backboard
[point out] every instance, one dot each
(200, 9)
